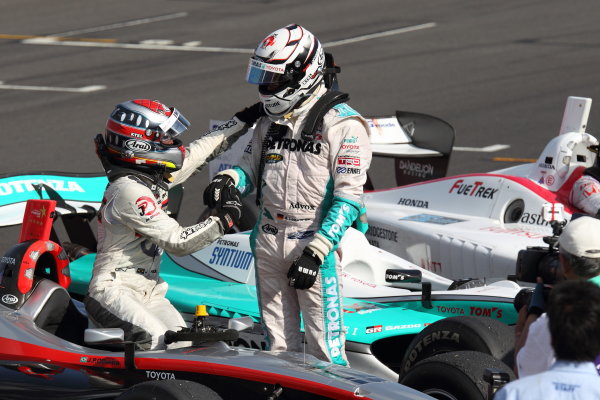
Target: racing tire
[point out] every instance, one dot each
(457, 375)
(170, 389)
(481, 334)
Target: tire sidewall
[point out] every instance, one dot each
(480, 334)
(459, 373)
(172, 389)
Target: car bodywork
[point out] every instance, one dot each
(382, 312)
(48, 363)
(46, 345)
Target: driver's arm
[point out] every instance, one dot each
(137, 209)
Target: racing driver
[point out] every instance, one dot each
(309, 184)
(143, 157)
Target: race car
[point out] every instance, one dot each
(476, 224)
(392, 308)
(48, 351)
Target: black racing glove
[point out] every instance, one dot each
(212, 193)
(304, 270)
(229, 210)
(250, 115)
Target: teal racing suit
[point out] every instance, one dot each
(311, 193)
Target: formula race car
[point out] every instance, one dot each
(48, 351)
(397, 315)
(475, 225)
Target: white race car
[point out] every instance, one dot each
(475, 225)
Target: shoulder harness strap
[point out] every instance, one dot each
(318, 111)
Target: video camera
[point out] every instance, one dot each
(539, 260)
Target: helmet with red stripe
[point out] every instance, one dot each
(144, 134)
(287, 66)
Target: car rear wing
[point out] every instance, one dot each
(415, 146)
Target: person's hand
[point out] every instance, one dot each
(304, 270)
(212, 193)
(250, 115)
(537, 303)
(229, 209)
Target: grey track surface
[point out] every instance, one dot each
(499, 72)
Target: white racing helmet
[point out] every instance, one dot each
(287, 65)
(561, 156)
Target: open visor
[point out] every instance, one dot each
(262, 73)
(176, 124)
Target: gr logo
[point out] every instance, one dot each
(374, 329)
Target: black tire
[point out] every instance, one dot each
(170, 389)
(485, 335)
(456, 375)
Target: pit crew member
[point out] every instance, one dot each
(579, 255)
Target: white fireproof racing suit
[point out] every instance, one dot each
(311, 193)
(585, 194)
(126, 290)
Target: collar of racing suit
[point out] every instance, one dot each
(298, 114)
(151, 179)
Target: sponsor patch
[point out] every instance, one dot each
(273, 158)
(349, 161)
(232, 258)
(344, 170)
(300, 206)
(146, 206)
(9, 299)
(374, 329)
(412, 168)
(137, 145)
(333, 316)
(301, 235)
(282, 217)
(475, 189)
(270, 229)
(193, 229)
(413, 203)
(533, 219)
(382, 233)
(304, 146)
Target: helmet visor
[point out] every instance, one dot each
(176, 124)
(262, 73)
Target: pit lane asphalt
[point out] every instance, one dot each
(499, 72)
